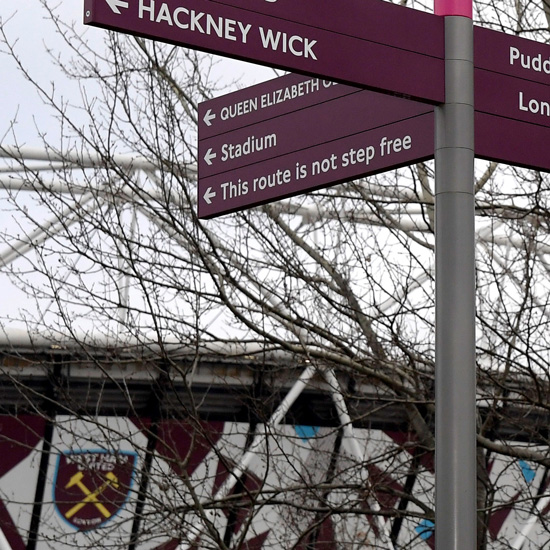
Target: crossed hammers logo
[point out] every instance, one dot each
(91, 497)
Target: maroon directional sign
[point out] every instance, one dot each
(511, 55)
(512, 99)
(290, 148)
(280, 96)
(348, 41)
(512, 78)
(302, 129)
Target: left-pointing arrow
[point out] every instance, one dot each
(209, 195)
(209, 156)
(209, 117)
(115, 5)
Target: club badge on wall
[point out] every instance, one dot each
(92, 486)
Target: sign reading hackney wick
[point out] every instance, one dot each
(346, 41)
(294, 133)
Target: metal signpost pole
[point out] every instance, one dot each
(455, 522)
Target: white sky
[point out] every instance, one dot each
(25, 22)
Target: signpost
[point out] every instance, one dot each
(455, 319)
(290, 136)
(397, 144)
(512, 73)
(279, 148)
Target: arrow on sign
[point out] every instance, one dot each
(209, 195)
(209, 116)
(115, 5)
(209, 156)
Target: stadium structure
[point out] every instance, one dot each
(84, 430)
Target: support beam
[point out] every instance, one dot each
(195, 531)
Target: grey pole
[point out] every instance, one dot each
(455, 389)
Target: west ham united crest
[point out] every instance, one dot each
(91, 487)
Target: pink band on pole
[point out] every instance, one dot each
(453, 7)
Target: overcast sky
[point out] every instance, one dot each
(25, 22)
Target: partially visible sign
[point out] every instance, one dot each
(348, 41)
(512, 99)
(266, 100)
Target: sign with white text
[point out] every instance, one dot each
(292, 117)
(512, 99)
(346, 41)
(302, 129)
(512, 78)
(270, 99)
(294, 133)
